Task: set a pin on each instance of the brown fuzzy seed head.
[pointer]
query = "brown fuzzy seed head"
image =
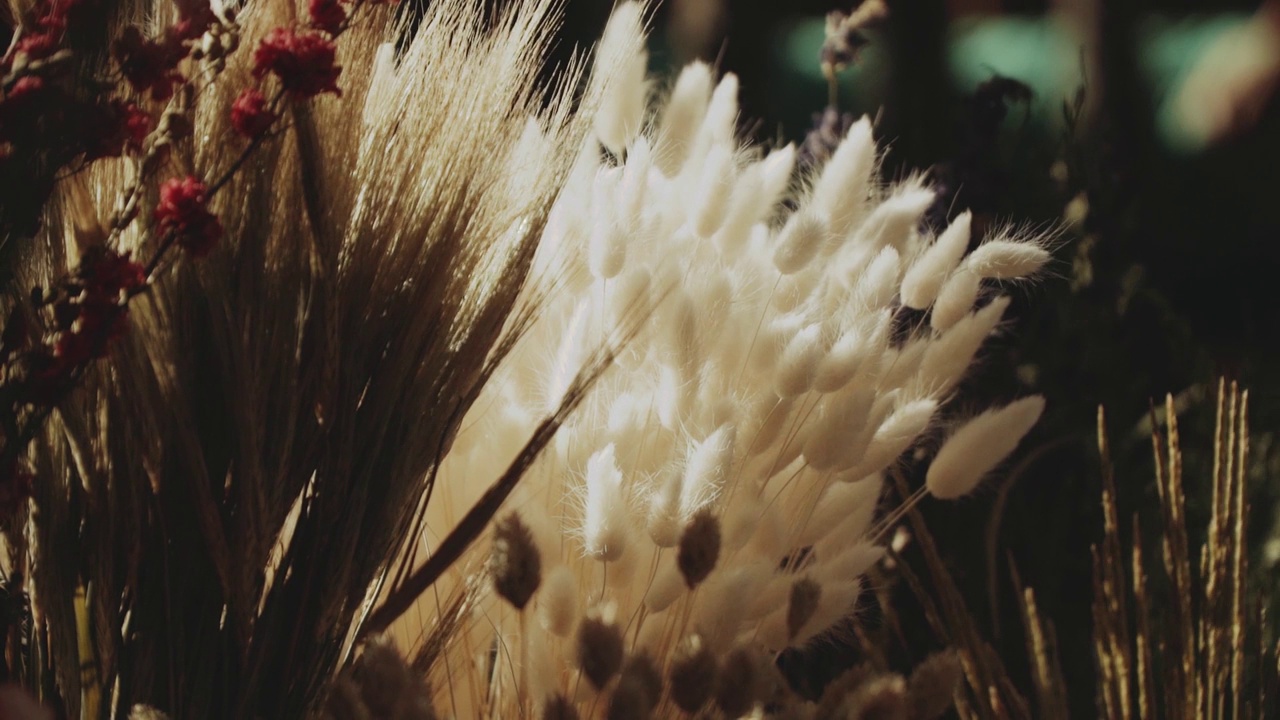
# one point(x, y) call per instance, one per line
point(343, 702)
point(638, 691)
point(931, 689)
point(692, 676)
point(881, 698)
point(383, 677)
point(558, 707)
point(699, 548)
point(805, 593)
point(599, 650)
point(736, 689)
point(515, 562)
point(837, 690)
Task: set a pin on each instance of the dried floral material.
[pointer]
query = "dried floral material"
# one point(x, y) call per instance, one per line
point(947, 359)
point(955, 299)
point(897, 433)
point(558, 601)
point(327, 15)
point(979, 445)
point(303, 62)
point(699, 548)
point(737, 685)
point(182, 212)
point(600, 650)
point(344, 702)
point(844, 37)
point(605, 525)
point(621, 59)
point(515, 563)
point(250, 115)
point(842, 187)
point(926, 276)
point(932, 685)
point(880, 698)
point(638, 690)
point(383, 678)
point(831, 704)
point(558, 707)
point(691, 676)
point(417, 285)
point(802, 603)
point(798, 243)
point(1007, 259)
point(682, 117)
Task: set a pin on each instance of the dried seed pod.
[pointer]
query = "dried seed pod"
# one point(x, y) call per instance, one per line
point(558, 707)
point(737, 684)
point(805, 593)
point(638, 691)
point(931, 689)
point(699, 548)
point(383, 677)
point(599, 650)
point(692, 675)
point(515, 562)
point(881, 698)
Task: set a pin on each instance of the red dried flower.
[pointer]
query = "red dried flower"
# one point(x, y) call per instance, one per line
point(249, 114)
point(303, 62)
point(182, 211)
point(327, 15)
point(147, 64)
point(111, 128)
point(107, 273)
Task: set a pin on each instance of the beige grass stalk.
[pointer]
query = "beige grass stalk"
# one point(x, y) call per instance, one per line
point(320, 361)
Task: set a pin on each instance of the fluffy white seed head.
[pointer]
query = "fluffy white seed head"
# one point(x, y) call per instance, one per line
point(1007, 259)
point(799, 362)
point(851, 563)
point(979, 445)
point(848, 507)
point(879, 283)
point(897, 433)
point(842, 188)
point(557, 601)
point(604, 524)
point(682, 117)
point(835, 604)
point(956, 298)
point(664, 522)
point(926, 276)
point(894, 221)
point(714, 191)
point(706, 467)
point(841, 423)
point(621, 58)
point(947, 358)
point(775, 174)
point(799, 241)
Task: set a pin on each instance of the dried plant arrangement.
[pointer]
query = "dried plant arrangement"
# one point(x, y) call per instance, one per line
point(439, 390)
point(1190, 641)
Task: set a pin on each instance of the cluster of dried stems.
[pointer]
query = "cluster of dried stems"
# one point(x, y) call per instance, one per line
point(1188, 644)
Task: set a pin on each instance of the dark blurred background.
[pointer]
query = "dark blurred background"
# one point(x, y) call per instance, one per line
point(1147, 135)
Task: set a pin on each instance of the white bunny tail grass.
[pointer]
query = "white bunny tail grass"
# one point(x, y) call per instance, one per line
point(979, 445)
point(746, 425)
point(226, 496)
